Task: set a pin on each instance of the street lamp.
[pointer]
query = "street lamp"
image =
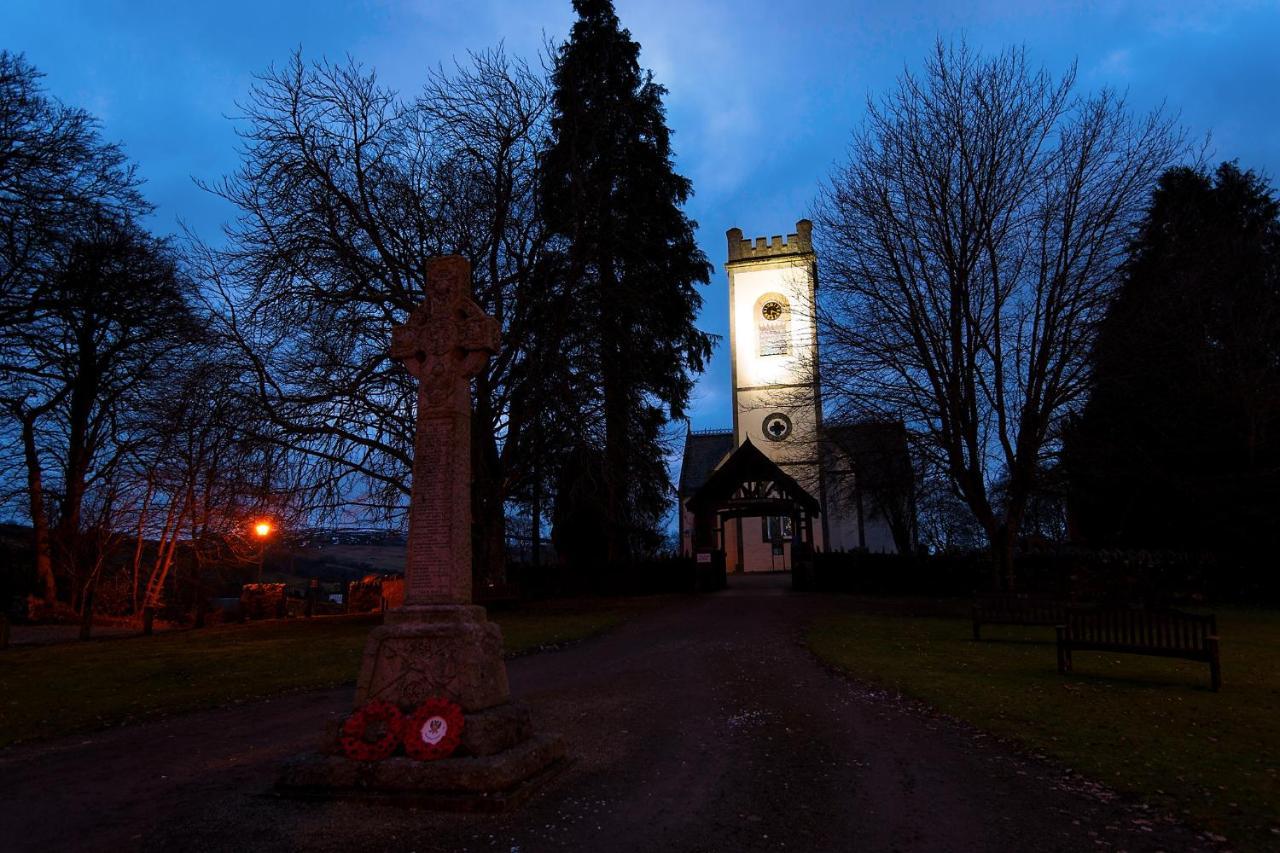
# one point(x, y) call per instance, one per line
point(262, 529)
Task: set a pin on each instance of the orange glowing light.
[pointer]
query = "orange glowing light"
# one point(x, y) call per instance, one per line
point(263, 529)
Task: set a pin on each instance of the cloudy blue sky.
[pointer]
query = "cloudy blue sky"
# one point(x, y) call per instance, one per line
point(763, 95)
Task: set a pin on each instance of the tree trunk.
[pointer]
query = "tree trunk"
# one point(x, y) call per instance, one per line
point(488, 506)
point(616, 469)
point(84, 391)
point(138, 540)
point(86, 613)
point(1003, 573)
point(535, 509)
point(39, 519)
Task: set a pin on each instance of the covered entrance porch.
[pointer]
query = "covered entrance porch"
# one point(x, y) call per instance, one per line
point(749, 485)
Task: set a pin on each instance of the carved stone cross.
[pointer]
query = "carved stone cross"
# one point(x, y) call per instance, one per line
point(448, 337)
point(439, 645)
point(445, 342)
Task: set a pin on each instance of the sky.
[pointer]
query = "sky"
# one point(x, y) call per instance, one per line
point(762, 96)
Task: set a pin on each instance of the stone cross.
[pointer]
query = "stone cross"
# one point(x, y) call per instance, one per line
point(445, 342)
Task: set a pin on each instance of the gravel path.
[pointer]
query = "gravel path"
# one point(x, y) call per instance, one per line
point(702, 726)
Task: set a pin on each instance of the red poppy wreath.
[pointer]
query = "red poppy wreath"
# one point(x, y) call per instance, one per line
point(433, 730)
point(372, 732)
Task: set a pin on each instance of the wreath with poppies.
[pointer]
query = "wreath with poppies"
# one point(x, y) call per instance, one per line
point(372, 732)
point(433, 730)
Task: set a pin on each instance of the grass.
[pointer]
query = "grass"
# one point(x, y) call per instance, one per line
point(1145, 726)
point(46, 691)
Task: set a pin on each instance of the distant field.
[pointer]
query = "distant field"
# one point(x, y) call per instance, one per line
point(1143, 725)
point(337, 563)
point(379, 558)
point(72, 687)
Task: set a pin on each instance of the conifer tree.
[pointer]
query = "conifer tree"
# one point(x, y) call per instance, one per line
point(612, 197)
point(1177, 447)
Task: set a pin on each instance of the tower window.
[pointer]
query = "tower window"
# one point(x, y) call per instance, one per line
point(773, 325)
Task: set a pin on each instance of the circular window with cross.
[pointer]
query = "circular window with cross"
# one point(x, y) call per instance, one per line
point(777, 426)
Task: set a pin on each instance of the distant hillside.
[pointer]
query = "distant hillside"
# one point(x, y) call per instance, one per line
point(347, 562)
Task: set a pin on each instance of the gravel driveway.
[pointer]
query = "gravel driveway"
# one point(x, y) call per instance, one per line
point(705, 725)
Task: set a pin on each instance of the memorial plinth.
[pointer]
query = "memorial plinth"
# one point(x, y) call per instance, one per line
point(440, 645)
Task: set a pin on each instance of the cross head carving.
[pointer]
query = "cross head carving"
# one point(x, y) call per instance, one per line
point(447, 338)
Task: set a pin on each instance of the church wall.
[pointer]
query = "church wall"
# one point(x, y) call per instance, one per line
point(879, 535)
point(842, 521)
point(842, 514)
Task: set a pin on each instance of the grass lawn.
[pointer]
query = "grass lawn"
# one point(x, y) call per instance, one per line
point(47, 691)
point(1147, 726)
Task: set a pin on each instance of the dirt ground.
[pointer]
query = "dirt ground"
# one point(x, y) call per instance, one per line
point(703, 726)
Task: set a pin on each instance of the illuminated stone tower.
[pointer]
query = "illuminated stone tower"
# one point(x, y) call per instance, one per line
point(774, 344)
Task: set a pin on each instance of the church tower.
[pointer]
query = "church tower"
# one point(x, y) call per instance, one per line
point(774, 344)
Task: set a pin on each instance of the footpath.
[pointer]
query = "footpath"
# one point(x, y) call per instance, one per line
point(703, 726)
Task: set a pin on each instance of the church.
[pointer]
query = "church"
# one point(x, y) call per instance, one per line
point(781, 483)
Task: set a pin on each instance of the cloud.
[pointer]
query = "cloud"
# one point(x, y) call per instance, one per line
point(1116, 64)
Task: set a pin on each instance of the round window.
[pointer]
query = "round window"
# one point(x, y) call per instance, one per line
point(777, 426)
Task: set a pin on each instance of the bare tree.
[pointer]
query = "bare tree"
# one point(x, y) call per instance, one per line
point(346, 191)
point(112, 307)
point(970, 245)
point(205, 471)
point(58, 181)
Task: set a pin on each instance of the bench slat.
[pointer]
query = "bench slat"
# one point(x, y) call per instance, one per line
point(1162, 634)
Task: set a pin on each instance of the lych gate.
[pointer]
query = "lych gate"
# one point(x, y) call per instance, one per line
point(748, 484)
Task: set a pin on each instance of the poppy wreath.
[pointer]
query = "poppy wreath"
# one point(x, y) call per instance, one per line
point(372, 732)
point(433, 730)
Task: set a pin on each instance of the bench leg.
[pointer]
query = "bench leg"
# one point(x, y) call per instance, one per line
point(1064, 652)
point(1215, 665)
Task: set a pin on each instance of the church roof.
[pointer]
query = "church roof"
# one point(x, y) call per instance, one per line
point(703, 451)
point(749, 464)
point(876, 449)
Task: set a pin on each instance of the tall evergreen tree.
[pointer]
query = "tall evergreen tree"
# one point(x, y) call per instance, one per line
point(1179, 445)
point(611, 194)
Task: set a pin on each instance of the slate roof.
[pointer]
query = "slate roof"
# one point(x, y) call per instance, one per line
point(876, 449)
point(748, 463)
point(703, 451)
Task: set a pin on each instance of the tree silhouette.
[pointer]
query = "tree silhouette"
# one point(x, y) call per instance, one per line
point(87, 301)
point(1179, 446)
point(346, 190)
point(611, 195)
point(970, 245)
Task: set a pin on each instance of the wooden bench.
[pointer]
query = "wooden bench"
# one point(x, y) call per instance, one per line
point(1016, 610)
point(1163, 633)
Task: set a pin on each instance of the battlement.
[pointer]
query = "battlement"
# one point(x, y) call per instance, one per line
point(799, 243)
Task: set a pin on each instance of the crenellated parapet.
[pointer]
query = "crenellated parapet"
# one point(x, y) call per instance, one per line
point(799, 243)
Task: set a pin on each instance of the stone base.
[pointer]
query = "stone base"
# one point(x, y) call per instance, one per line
point(423, 652)
point(479, 783)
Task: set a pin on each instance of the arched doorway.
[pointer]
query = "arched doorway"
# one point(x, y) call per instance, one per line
point(748, 484)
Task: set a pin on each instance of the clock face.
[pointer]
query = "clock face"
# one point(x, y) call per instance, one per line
point(771, 310)
point(777, 426)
